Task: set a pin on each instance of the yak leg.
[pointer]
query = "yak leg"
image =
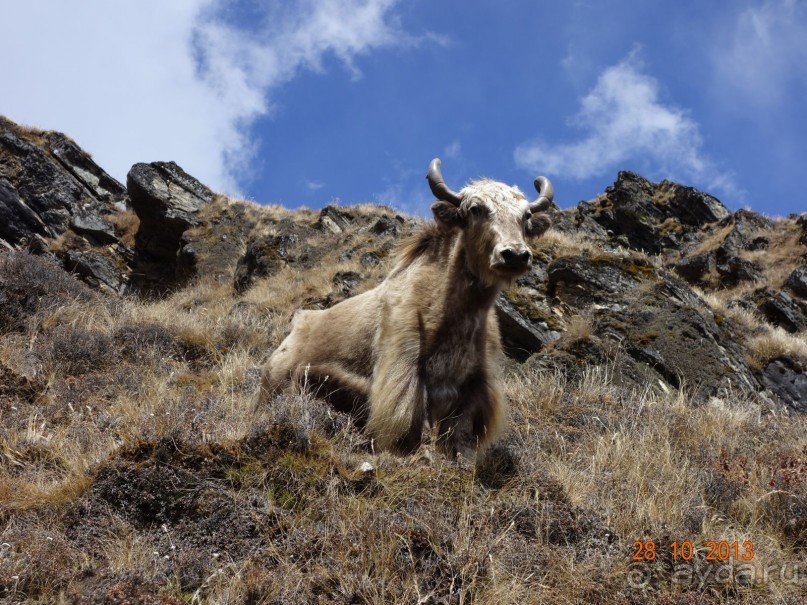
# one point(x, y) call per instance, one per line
point(345, 390)
point(476, 418)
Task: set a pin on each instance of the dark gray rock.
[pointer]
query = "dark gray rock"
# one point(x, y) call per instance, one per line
point(801, 221)
point(346, 282)
point(521, 337)
point(386, 225)
point(637, 213)
point(696, 269)
point(84, 169)
point(44, 187)
point(785, 377)
point(94, 227)
point(264, 256)
point(95, 269)
point(49, 188)
point(167, 201)
point(629, 210)
point(334, 219)
point(17, 220)
point(797, 282)
point(780, 309)
point(745, 224)
point(734, 269)
point(662, 325)
point(692, 207)
point(579, 281)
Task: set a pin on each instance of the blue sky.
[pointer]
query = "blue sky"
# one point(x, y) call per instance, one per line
point(306, 102)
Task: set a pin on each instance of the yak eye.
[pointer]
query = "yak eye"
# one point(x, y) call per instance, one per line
point(477, 210)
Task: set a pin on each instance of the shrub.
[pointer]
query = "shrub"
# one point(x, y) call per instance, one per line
point(30, 284)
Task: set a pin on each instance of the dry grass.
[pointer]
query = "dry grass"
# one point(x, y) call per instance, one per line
point(126, 224)
point(557, 244)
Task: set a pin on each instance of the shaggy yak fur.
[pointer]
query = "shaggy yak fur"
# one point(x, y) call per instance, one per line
point(422, 349)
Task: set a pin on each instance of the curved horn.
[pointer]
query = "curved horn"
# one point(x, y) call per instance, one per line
point(545, 194)
point(438, 186)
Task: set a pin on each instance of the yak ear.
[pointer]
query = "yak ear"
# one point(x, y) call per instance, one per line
point(538, 224)
point(447, 215)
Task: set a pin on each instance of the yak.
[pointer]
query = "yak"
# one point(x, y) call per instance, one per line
point(422, 349)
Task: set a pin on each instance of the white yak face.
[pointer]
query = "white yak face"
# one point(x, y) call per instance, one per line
point(496, 221)
point(496, 218)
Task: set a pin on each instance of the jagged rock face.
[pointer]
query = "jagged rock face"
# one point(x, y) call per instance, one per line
point(780, 309)
point(520, 336)
point(265, 256)
point(167, 200)
point(40, 192)
point(656, 319)
point(49, 188)
point(651, 217)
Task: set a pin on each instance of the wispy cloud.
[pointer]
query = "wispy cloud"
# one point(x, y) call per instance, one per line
point(624, 121)
point(453, 150)
point(314, 185)
point(147, 80)
point(764, 55)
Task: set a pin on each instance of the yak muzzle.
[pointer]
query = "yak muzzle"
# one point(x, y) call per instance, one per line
point(513, 259)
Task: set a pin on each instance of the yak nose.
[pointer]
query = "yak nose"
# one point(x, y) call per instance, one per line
point(516, 257)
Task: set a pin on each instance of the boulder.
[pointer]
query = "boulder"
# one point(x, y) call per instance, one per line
point(797, 282)
point(696, 269)
point(95, 228)
point(521, 337)
point(745, 225)
point(167, 200)
point(334, 219)
point(786, 378)
point(386, 225)
point(734, 269)
point(780, 309)
point(96, 269)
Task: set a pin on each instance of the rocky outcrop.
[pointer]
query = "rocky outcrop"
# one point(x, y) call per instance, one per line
point(521, 337)
point(657, 320)
point(39, 190)
point(50, 189)
point(167, 201)
point(780, 309)
point(334, 219)
point(651, 216)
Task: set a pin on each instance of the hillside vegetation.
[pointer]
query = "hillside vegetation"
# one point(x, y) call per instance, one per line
point(655, 376)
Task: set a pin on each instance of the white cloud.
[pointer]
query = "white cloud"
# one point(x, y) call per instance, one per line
point(623, 120)
point(764, 54)
point(314, 185)
point(148, 80)
point(453, 150)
